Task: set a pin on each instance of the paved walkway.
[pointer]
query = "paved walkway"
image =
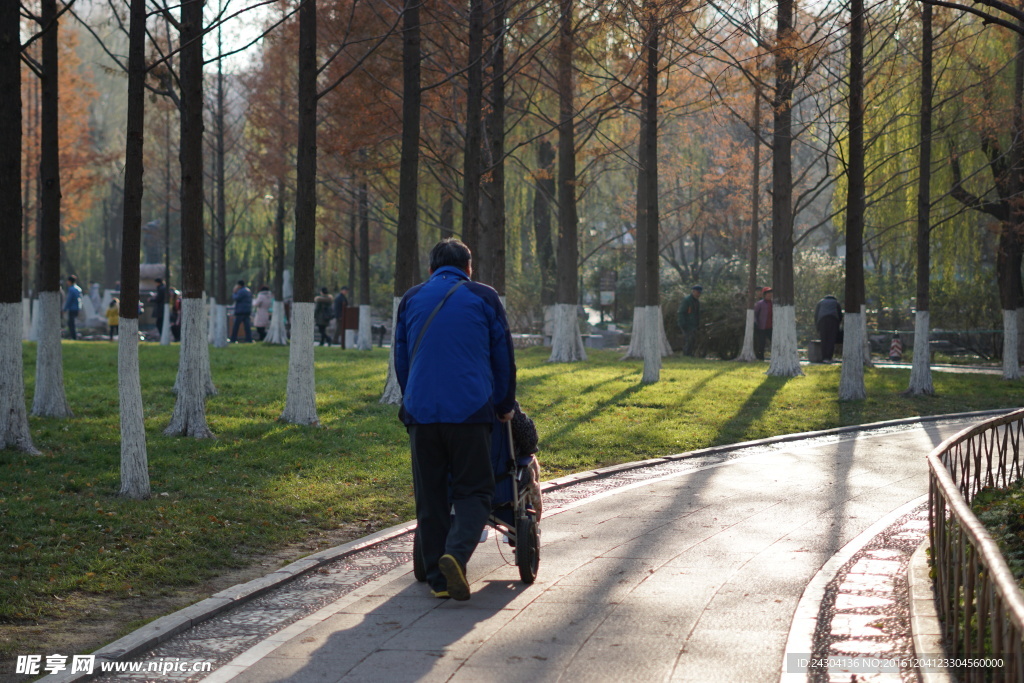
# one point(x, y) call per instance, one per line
point(685, 570)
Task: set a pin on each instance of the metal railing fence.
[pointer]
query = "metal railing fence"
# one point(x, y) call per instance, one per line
point(979, 601)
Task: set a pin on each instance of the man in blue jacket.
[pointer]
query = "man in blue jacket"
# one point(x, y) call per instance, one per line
point(243, 309)
point(456, 366)
point(73, 304)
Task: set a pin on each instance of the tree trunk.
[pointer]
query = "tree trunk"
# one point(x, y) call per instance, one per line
point(785, 361)
point(392, 390)
point(194, 378)
point(747, 353)
point(134, 458)
point(921, 371)
point(492, 229)
point(474, 125)
point(407, 261)
point(851, 382)
point(49, 399)
point(652, 254)
point(566, 343)
point(220, 206)
point(637, 340)
point(300, 405)
point(544, 193)
point(364, 339)
point(279, 216)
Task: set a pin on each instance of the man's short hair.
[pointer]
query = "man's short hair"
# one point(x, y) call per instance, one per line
point(159, 280)
point(450, 252)
point(241, 283)
point(72, 279)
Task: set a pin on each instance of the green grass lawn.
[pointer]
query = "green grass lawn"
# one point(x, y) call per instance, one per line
point(262, 484)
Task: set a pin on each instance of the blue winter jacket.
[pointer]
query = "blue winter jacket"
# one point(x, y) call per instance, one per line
point(243, 301)
point(73, 302)
point(465, 369)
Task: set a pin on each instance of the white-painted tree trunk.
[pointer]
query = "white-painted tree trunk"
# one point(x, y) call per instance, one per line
point(34, 335)
point(13, 416)
point(277, 333)
point(204, 315)
point(220, 326)
point(364, 342)
point(300, 403)
point(747, 353)
point(1011, 361)
point(921, 370)
point(287, 290)
point(666, 347)
point(49, 399)
point(134, 459)
point(865, 342)
point(26, 322)
point(566, 342)
point(785, 355)
point(637, 340)
point(851, 378)
point(392, 391)
point(194, 380)
point(548, 327)
point(210, 325)
point(165, 331)
point(653, 347)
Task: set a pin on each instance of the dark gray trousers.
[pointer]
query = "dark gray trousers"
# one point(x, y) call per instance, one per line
point(451, 470)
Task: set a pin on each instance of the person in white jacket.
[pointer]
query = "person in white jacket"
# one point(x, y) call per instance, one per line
point(261, 317)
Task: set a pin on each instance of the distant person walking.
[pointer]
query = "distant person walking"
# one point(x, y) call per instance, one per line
point(689, 319)
point(763, 322)
point(175, 296)
point(827, 316)
point(455, 363)
point(243, 310)
point(261, 319)
point(113, 318)
point(323, 312)
point(73, 304)
point(158, 300)
point(340, 306)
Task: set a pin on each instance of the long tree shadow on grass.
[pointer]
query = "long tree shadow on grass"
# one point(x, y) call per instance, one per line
point(737, 428)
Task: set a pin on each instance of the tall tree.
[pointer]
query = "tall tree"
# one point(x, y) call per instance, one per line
point(921, 372)
point(194, 381)
point(14, 429)
point(785, 361)
point(543, 195)
point(647, 204)
point(407, 239)
point(49, 399)
point(851, 382)
point(300, 406)
point(1005, 167)
point(566, 342)
point(134, 459)
point(471, 167)
point(492, 192)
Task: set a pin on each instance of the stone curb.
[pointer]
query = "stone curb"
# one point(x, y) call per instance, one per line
point(166, 627)
point(924, 620)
